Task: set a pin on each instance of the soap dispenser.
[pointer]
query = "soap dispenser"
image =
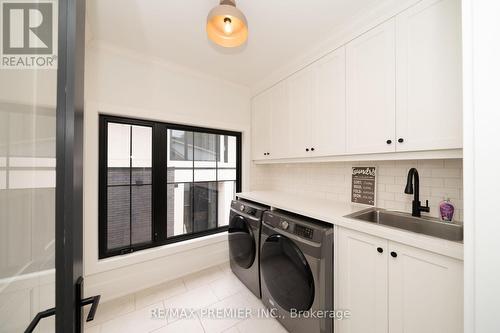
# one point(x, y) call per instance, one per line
point(446, 210)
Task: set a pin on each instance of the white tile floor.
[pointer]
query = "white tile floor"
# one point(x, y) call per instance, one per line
point(211, 289)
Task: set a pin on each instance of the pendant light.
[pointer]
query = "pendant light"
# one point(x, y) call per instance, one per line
point(226, 25)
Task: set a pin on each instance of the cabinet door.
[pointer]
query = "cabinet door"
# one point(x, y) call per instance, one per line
point(425, 292)
point(429, 80)
point(362, 282)
point(301, 105)
point(371, 91)
point(328, 118)
point(280, 129)
point(261, 126)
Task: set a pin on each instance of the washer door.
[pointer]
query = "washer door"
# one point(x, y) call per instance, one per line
point(242, 247)
point(286, 273)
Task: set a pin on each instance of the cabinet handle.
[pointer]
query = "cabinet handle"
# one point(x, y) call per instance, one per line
point(394, 254)
point(312, 149)
point(401, 140)
point(380, 250)
point(389, 142)
point(307, 149)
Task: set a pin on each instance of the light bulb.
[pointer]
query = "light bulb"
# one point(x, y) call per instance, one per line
point(228, 28)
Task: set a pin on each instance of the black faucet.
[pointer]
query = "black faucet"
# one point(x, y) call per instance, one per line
point(416, 206)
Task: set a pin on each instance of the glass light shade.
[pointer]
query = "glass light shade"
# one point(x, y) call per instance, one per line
point(217, 21)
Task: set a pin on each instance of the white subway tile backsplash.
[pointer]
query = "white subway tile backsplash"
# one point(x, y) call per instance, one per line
point(439, 179)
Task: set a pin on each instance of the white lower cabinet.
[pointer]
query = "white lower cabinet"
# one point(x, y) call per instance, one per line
point(425, 291)
point(362, 279)
point(395, 288)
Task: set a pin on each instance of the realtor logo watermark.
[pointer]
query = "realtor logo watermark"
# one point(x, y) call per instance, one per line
point(29, 34)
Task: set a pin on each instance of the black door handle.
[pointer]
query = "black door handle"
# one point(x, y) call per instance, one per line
point(394, 254)
point(380, 250)
point(94, 300)
point(51, 312)
point(39, 316)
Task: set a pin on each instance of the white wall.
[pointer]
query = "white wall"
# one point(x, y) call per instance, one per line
point(438, 179)
point(131, 85)
point(481, 164)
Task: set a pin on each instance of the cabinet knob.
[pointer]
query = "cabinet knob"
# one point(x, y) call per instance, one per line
point(401, 140)
point(389, 142)
point(312, 149)
point(380, 250)
point(394, 254)
point(307, 149)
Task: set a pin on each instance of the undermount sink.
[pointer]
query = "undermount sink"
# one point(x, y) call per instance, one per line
point(421, 225)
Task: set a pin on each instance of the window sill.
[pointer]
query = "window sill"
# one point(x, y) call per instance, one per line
point(116, 262)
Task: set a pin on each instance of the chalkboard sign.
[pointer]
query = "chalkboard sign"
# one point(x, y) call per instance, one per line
point(363, 185)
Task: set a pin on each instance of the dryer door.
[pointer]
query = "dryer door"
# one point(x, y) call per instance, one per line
point(242, 248)
point(286, 273)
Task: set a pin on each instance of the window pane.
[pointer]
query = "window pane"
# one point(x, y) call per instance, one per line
point(227, 148)
point(118, 145)
point(180, 146)
point(205, 150)
point(119, 176)
point(141, 154)
point(141, 214)
point(204, 206)
point(118, 216)
point(141, 176)
point(178, 209)
point(118, 154)
point(226, 174)
point(179, 175)
point(227, 191)
point(141, 146)
point(180, 156)
point(129, 149)
point(205, 175)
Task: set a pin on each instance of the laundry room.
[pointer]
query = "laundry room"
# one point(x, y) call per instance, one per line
point(232, 166)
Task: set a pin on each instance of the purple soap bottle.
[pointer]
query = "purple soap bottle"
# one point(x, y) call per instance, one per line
point(446, 210)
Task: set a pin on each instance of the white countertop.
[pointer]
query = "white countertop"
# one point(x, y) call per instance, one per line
point(333, 212)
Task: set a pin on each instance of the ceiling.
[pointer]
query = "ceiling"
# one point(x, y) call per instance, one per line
point(174, 30)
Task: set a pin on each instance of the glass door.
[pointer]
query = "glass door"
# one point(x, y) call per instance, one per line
point(41, 109)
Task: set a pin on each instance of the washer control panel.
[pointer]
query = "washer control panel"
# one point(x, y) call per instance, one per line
point(303, 231)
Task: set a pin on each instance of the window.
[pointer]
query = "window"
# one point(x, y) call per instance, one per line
point(161, 183)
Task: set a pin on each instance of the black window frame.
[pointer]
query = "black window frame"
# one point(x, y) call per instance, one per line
point(159, 176)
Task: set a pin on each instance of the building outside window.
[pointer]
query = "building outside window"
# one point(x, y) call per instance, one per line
point(162, 183)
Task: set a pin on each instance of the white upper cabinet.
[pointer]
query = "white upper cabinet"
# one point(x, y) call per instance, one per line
point(328, 119)
point(280, 145)
point(395, 88)
point(301, 104)
point(429, 81)
point(261, 126)
point(426, 291)
point(371, 91)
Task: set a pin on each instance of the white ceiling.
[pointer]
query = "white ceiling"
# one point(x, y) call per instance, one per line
point(174, 30)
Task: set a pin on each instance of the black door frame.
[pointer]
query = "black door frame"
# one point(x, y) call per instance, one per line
point(69, 167)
